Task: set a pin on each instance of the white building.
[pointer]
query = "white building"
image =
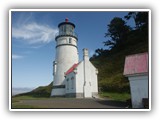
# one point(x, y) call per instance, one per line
point(136, 69)
point(71, 77)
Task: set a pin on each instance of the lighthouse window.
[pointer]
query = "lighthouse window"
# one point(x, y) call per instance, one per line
point(70, 30)
point(70, 40)
point(64, 29)
point(67, 29)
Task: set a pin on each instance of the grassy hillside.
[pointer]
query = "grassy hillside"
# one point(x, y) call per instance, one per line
point(42, 91)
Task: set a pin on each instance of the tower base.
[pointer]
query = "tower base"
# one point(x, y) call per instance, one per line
point(58, 92)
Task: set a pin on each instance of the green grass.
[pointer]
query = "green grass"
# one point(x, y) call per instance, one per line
point(24, 97)
point(27, 97)
point(16, 101)
point(14, 106)
point(116, 96)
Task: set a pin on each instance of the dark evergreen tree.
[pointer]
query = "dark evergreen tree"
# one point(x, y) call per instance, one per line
point(117, 32)
point(140, 18)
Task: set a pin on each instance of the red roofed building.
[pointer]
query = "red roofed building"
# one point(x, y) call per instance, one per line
point(136, 64)
point(81, 79)
point(136, 69)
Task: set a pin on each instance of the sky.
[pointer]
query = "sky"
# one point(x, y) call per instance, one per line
point(33, 41)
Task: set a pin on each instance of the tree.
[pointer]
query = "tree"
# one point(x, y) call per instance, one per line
point(117, 30)
point(140, 18)
point(140, 33)
point(101, 51)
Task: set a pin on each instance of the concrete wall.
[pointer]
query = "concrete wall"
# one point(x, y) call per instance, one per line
point(139, 89)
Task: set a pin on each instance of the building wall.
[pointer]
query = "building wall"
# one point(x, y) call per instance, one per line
point(139, 89)
point(58, 92)
point(80, 80)
point(92, 79)
point(87, 78)
point(76, 87)
point(70, 83)
point(94, 82)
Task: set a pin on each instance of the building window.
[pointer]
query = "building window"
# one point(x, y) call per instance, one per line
point(67, 84)
point(72, 82)
point(70, 40)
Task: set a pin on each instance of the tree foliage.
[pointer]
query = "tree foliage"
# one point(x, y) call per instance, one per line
point(117, 31)
point(140, 18)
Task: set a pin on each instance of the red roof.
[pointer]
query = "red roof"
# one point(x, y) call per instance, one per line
point(136, 64)
point(71, 69)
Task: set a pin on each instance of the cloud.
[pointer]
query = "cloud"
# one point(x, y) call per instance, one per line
point(14, 56)
point(33, 33)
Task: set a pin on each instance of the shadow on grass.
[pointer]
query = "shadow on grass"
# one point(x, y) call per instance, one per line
point(114, 103)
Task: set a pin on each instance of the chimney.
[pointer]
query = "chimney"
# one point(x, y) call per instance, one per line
point(87, 75)
point(85, 54)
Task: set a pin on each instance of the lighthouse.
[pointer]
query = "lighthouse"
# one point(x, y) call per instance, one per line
point(66, 56)
point(71, 77)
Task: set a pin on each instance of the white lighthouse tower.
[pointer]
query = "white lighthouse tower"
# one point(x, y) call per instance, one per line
point(66, 56)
